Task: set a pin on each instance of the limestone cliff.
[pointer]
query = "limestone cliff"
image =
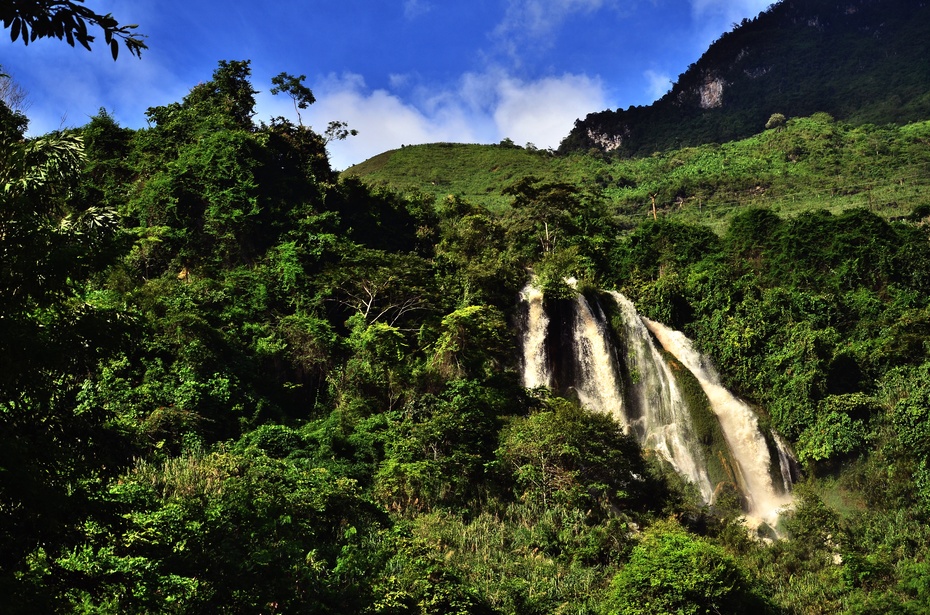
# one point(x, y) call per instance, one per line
point(862, 61)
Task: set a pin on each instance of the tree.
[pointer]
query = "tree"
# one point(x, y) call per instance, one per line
point(301, 95)
point(12, 95)
point(66, 20)
point(568, 455)
point(338, 131)
point(51, 337)
point(229, 90)
point(541, 215)
point(13, 122)
point(472, 342)
point(435, 448)
point(672, 571)
point(776, 121)
point(223, 532)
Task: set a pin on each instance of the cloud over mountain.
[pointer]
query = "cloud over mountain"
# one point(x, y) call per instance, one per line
point(478, 108)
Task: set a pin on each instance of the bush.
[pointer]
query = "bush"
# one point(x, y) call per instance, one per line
point(574, 457)
point(672, 571)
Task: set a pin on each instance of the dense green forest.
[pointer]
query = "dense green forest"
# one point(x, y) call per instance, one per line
point(234, 382)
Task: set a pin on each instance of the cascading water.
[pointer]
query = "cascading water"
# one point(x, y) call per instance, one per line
point(787, 464)
point(573, 353)
point(740, 427)
point(664, 422)
point(598, 385)
point(536, 372)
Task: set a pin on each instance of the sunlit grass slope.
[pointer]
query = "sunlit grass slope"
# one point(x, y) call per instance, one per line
point(809, 163)
point(475, 172)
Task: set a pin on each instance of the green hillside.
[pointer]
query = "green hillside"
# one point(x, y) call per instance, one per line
point(808, 163)
point(474, 172)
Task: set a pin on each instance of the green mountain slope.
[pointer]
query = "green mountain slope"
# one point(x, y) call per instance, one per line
point(864, 61)
point(813, 162)
point(475, 172)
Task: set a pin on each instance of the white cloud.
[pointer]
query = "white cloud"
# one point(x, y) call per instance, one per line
point(416, 8)
point(535, 23)
point(398, 81)
point(480, 108)
point(538, 18)
point(543, 112)
point(658, 84)
point(383, 120)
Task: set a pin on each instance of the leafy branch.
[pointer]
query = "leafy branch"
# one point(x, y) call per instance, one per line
point(46, 164)
point(68, 20)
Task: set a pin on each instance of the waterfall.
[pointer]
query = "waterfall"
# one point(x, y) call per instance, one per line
point(664, 422)
point(787, 464)
point(536, 372)
point(569, 346)
point(598, 385)
point(589, 367)
point(740, 428)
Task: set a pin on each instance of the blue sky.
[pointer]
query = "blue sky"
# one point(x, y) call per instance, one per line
point(398, 71)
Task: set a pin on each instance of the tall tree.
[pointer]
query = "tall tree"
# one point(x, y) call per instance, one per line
point(301, 95)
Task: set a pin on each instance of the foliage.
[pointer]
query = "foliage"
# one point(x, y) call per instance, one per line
point(233, 381)
point(52, 333)
point(776, 121)
point(435, 448)
point(293, 86)
point(671, 571)
point(569, 456)
point(816, 162)
point(66, 20)
point(471, 343)
point(907, 389)
point(840, 428)
point(222, 532)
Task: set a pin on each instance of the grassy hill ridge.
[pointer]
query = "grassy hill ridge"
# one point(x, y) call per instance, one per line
point(810, 162)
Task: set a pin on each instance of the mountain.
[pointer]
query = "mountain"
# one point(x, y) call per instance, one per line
point(862, 61)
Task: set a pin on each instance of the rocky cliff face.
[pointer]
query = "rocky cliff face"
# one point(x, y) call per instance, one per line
point(858, 60)
point(608, 142)
point(711, 93)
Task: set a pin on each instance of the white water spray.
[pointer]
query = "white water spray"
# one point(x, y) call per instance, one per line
point(740, 428)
